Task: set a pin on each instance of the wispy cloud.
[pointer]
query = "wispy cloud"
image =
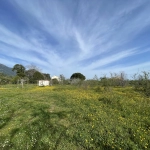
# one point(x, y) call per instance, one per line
point(69, 36)
point(110, 59)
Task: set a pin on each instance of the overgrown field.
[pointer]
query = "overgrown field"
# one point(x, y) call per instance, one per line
point(73, 118)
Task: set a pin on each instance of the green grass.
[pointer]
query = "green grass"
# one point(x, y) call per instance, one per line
point(68, 117)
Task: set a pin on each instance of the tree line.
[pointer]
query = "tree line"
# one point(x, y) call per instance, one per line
point(31, 74)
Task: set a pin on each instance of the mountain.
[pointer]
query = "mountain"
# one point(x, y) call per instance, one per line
point(6, 70)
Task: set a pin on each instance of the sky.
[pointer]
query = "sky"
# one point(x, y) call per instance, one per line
point(93, 37)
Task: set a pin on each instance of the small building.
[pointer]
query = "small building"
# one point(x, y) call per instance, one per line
point(44, 83)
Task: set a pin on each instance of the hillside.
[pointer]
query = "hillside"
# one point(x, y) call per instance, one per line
point(6, 70)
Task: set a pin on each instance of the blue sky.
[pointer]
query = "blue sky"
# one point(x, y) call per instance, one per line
point(93, 37)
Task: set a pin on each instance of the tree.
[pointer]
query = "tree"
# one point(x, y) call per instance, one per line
point(20, 70)
point(33, 67)
point(29, 74)
point(37, 76)
point(77, 76)
point(95, 78)
point(46, 76)
point(62, 78)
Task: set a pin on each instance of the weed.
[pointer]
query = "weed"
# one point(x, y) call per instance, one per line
point(70, 117)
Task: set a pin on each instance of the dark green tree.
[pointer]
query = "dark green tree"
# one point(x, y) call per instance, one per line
point(29, 74)
point(20, 70)
point(77, 76)
point(37, 76)
point(31, 69)
point(46, 76)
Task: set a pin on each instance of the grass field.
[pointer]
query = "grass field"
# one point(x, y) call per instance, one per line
point(73, 118)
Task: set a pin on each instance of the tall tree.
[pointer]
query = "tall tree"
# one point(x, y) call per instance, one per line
point(46, 76)
point(37, 76)
point(20, 70)
point(31, 69)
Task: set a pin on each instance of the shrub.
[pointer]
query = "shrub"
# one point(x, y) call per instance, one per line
point(55, 81)
point(142, 82)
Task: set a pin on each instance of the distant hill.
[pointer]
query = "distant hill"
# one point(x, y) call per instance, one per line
point(6, 70)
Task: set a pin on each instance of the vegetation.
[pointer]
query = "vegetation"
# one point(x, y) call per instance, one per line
point(37, 76)
point(20, 70)
point(55, 81)
point(77, 76)
point(5, 79)
point(141, 82)
point(46, 76)
point(29, 74)
point(74, 117)
point(100, 113)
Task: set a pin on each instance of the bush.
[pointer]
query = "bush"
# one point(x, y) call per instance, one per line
point(15, 79)
point(142, 82)
point(55, 81)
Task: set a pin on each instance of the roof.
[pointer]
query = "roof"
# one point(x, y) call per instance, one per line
point(55, 77)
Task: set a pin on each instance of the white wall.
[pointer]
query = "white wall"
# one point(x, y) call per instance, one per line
point(43, 83)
